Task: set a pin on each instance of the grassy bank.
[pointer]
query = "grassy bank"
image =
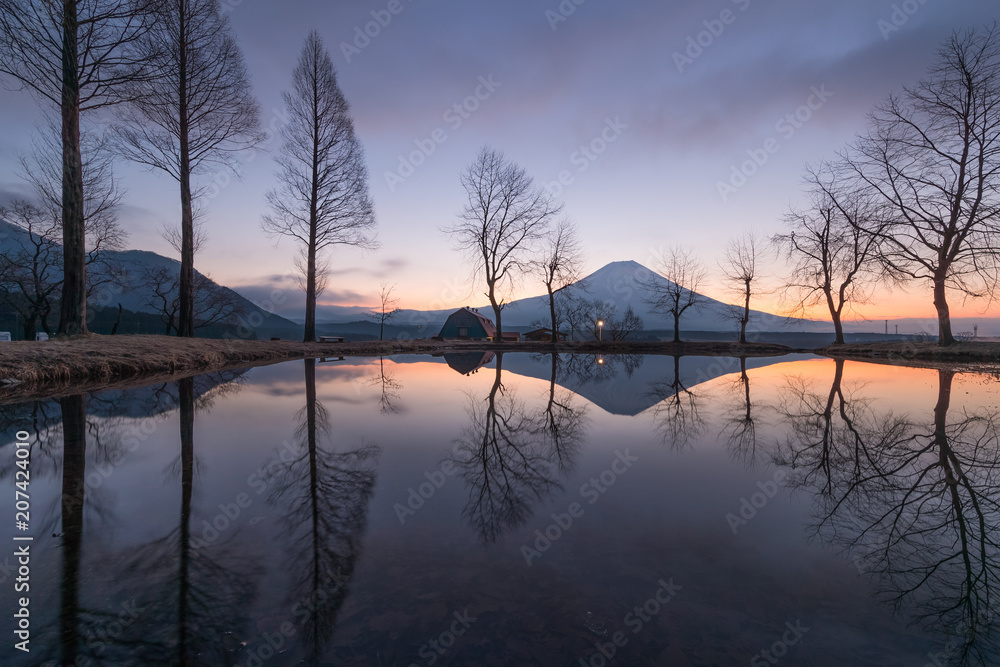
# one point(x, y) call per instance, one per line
point(913, 353)
point(31, 369)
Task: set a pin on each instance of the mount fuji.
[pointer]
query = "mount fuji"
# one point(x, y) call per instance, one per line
point(627, 284)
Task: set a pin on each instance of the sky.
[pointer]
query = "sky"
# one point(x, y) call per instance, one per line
point(632, 112)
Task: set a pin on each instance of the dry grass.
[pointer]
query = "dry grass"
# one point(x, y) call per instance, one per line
point(31, 369)
point(978, 355)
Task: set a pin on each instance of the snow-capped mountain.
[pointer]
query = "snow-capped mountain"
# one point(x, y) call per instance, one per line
point(627, 284)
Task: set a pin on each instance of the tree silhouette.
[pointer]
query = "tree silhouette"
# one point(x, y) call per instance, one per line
point(325, 495)
point(912, 503)
point(505, 462)
point(678, 413)
point(323, 200)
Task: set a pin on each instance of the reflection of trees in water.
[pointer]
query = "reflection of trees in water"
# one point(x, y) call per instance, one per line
point(599, 368)
point(94, 627)
point(562, 423)
point(389, 386)
point(914, 503)
point(739, 424)
point(678, 412)
point(193, 591)
point(325, 495)
point(511, 457)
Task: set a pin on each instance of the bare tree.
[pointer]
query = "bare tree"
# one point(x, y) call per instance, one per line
point(505, 215)
point(620, 328)
point(833, 260)
point(103, 233)
point(571, 307)
point(679, 293)
point(213, 303)
point(199, 113)
point(598, 315)
point(30, 265)
point(932, 156)
point(323, 199)
point(559, 266)
point(739, 270)
point(78, 55)
point(387, 309)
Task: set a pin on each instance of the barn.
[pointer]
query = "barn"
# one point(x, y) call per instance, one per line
point(468, 323)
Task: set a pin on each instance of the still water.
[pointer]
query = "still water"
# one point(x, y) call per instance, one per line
point(514, 510)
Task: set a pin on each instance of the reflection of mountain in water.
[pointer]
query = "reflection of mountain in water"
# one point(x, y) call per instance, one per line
point(623, 388)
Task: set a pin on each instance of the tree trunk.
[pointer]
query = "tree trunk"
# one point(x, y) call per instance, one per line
point(381, 324)
point(677, 327)
point(118, 320)
point(29, 327)
point(838, 330)
point(74, 419)
point(185, 327)
point(496, 313)
point(309, 335)
point(552, 311)
point(838, 326)
point(73, 307)
point(185, 394)
point(746, 315)
point(945, 336)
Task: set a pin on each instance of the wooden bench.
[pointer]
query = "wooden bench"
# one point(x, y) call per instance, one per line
point(331, 339)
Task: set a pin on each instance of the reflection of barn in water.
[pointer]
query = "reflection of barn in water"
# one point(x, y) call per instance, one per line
point(467, 363)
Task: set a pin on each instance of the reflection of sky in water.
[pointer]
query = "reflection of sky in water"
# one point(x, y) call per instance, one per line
point(664, 517)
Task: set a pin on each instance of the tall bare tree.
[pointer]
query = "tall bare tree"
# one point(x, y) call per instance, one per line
point(559, 265)
point(505, 215)
point(932, 156)
point(323, 199)
point(197, 114)
point(79, 55)
point(386, 310)
point(679, 293)
point(833, 258)
point(739, 269)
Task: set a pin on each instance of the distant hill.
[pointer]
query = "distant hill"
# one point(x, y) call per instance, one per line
point(135, 296)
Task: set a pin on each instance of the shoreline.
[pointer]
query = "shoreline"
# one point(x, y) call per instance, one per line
point(30, 369)
point(56, 367)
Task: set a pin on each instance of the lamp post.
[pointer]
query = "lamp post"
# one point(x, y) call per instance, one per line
point(600, 330)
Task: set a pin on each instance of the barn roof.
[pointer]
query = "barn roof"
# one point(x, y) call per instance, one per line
point(488, 326)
